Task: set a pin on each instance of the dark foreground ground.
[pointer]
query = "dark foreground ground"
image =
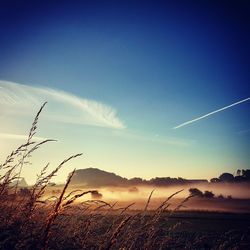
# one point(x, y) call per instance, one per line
point(208, 230)
point(76, 229)
point(181, 230)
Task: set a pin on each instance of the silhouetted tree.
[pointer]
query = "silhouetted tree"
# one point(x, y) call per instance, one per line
point(196, 192)
point(239, 178)
point(226, 177)
point(238, 173)
point(220, 196)
point(137, 181)
point(208, 194)
point(246, 174)
point(215, 180)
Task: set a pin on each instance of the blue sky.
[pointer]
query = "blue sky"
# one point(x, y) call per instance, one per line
point(155, 64)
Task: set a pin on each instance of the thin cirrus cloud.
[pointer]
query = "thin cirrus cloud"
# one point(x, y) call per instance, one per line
point(19, 137)
point(63, 106)
point(211, 113)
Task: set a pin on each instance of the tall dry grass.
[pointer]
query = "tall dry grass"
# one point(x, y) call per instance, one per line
point(32, 221)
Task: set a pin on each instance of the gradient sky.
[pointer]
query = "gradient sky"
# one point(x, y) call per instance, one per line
point(119, 76)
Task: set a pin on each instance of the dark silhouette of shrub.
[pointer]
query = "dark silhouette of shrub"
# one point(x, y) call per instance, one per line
point(208, 194)
point(226, 177)
point(196, 192)
point(199, 193)
point(215, 180)
point(238, 173)
point(246, 174)
point(239, 178)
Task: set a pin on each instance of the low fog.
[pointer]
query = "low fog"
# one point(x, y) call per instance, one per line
point(228, 197)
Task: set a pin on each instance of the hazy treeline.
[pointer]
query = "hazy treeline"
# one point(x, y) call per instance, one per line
point(98, 178)
point(241, 176)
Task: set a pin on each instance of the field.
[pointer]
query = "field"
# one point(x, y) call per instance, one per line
point(90, 226)
point(72, 219)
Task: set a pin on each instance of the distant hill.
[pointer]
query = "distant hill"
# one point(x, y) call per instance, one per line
point(94, 177)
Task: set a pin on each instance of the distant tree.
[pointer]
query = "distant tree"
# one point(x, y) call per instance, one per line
point(239, 178)
point(136, 181)
point(220, 196)
point(196, 192)
point(226, 177)
point(215, 180)
point(238, 173)
point(246, 173)
point(229, 197)
point(208, 194)
point(160, 181)
point(165, 181)
point(181, 180)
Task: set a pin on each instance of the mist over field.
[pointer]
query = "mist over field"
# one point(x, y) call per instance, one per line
point(230, 197)
point(237, 191)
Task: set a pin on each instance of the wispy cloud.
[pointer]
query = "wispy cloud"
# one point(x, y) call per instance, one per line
point(63, 106)
point(211, 113)
point(19, 137)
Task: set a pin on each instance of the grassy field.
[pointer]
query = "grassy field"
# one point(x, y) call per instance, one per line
point(93, 227)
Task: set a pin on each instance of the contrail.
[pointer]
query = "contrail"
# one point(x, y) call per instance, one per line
point(211, 113)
